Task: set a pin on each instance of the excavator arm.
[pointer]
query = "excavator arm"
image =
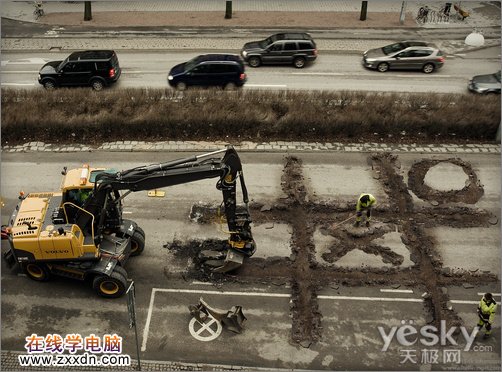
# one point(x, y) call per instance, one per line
point(105, 201)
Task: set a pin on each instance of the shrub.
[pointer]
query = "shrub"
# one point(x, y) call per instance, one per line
point(80, 115)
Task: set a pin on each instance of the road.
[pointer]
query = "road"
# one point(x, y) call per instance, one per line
point(356, 292)
point(329, 72)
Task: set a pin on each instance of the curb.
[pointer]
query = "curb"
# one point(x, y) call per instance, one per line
point(273, 146)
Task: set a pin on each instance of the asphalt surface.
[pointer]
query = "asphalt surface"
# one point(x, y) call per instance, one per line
point(351, 314)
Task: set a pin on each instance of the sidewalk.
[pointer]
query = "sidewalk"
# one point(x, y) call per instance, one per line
point(286, 13)
point(273, 146)
point(173, 25)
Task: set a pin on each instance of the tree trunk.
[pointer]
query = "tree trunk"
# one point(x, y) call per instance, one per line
point(87, 11)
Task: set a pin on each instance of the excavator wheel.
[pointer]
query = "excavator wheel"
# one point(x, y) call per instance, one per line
point(37, 271)
point(112, 286)
point(120, 270)
point(140, 231)
point(137, 243)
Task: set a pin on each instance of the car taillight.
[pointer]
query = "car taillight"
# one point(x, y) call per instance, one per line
point(315, 52)
point(242, 76)
point(112, 72)
point(441, 59)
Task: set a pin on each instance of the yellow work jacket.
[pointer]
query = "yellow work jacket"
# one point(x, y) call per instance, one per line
point(488, 309)
point(370, 203)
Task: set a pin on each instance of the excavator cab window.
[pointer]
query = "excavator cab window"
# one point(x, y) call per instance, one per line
point(77, 196)
point(94, 173)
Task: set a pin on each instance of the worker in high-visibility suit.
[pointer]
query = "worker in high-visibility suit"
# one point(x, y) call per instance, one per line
point(364, 203)
point(486, 312)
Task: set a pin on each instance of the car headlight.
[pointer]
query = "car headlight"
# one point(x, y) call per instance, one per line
point(170, 77)
point(244, 53)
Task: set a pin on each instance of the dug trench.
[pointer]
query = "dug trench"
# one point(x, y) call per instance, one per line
point(305, 215)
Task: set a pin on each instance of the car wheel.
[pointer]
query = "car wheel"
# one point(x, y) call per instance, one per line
point(97, 85)
point(428, 68)
point(49, 84)
point(254, 62)
point(37, 271)
point(112, 286)
point(181, 86)
point(137, 243)
point(299, 62)
point(382, 67)
point(230, 86)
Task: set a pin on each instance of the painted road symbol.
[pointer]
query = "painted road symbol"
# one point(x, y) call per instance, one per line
point(209, 330)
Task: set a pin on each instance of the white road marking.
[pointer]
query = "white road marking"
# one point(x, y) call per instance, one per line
point(321, 73)
point(464, 302)
point(201, 291)
point(126, 212)
point(25, 61)
point(265, 85)
point(18, 84)
point(205, 327)
point(381, 299)
point(20, 72)
point(373, 75)
point(201, 283)
point(397, 290)
point(148, 320)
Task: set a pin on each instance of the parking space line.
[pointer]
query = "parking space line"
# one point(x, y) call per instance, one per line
point(195, 282)
point(464, 302)
point(148, 320)
point(203, 291)
point(196, 291)
point(280, 295)
point(396, 290)
point(382, 299)
point(17, 84)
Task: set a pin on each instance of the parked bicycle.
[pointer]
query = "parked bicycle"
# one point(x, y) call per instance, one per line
point(39, 11)
point(423, 13)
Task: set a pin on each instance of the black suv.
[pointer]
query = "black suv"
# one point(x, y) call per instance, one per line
point(224, 70)
point(284, 48)
point(95, 68)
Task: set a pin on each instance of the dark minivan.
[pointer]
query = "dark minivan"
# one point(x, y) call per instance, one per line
point(223, 70)
point(296, 48)
point(95, 68)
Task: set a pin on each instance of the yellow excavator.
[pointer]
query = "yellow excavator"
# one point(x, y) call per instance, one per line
point(79, 231)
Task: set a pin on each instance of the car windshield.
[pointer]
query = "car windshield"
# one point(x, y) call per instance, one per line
point(393, 48)
point(265, 43)
point(62, 64)
point(191, 64)
point(497, 76)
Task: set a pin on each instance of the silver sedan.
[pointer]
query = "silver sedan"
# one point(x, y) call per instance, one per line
point(407, 55)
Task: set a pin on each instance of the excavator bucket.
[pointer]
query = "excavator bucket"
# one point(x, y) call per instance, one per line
point(232, 319)
point(221, 263)
point(232, 261)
